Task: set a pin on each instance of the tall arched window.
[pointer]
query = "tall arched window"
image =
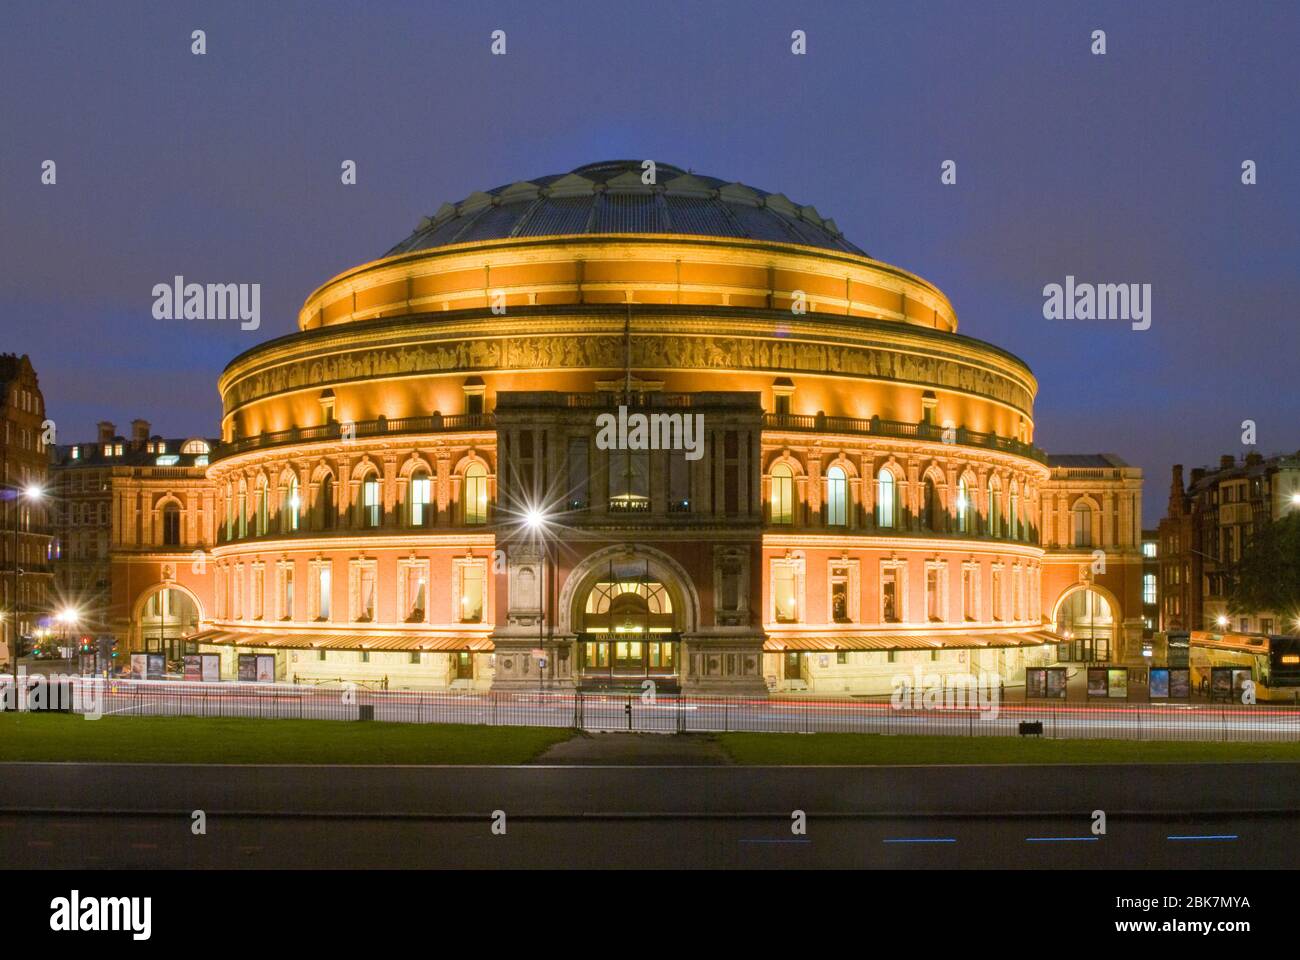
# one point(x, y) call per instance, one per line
point(263, 508)
point(327, 506)
point(995, 508)
point(782, 494)
point(963, 507)
point(931, 508)
point(171, 525)
point(230, 514)
point(289, 509)
point(1082, 525)
point(243, 509)
point(372, 506)
point(837, 497)
point(886, 499)
point(475, 496)
point(421, 489)
point(1014, 517)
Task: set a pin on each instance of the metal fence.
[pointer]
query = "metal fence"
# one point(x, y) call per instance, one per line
point(690, 714)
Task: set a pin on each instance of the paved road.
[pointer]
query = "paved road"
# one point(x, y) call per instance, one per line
point(572, 816)
point(262, 842)
point(1139, 721)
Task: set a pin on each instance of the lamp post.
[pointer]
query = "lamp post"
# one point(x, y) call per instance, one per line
point(34, 493)
point(536, 521)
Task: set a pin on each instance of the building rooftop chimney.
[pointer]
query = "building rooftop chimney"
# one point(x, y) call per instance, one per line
point(1227, 461)
point(107, 430)
point(139, 433)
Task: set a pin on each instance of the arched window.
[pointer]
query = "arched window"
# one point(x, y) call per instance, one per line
point(1082, 525)
point(230, 514)
point(372, 506)
point(171, 525)
point(886, 499)
point(421, 490)
point(327, 507)
point(243, 509)
point(1014, 515)
point(782, 494)
point(289, 509)
point(837, 497)
point(931, 508)
point(963, 507)
point(263, 508)
point(475, 495)
point(995, 508)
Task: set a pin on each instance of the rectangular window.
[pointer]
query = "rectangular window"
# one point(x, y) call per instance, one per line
point(366, 593)
point(784, 594)
point(968, 594)
point(679, 482)
point(471, 592)
point(579, 474)
point(370, 502)
point(286, 592)
point(323, 590)
point(840, 599)
point(416, 592)
point(996, 587)
point(933, 596)
point(891, 607)
point(259, 592)
point(1148, 588)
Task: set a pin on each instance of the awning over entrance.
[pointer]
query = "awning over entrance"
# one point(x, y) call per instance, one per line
point(413, 642)
point(904, 641)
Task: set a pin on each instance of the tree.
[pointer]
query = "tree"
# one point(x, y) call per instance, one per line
point(1268, 576)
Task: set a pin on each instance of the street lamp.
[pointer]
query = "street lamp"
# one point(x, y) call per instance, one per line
point(537, 521)
point(35, 493)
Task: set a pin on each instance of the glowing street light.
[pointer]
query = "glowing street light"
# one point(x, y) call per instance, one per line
point(1222, 621)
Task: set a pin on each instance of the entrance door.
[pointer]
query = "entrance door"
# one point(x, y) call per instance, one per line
point(463, 665)
point(793, 665)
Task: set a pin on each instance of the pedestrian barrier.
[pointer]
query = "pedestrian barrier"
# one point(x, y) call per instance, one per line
point(609, 711)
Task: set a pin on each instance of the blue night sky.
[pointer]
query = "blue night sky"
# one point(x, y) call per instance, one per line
point(1122, 168)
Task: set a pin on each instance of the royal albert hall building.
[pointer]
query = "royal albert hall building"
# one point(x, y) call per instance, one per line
point(410, 492)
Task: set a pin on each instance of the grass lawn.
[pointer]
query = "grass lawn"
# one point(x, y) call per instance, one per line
point(27, 736)
point(788, 749)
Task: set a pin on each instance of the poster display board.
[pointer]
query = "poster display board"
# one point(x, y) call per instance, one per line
point(1117, 683)
point(266, 668)
point(211, 667)
point(1045, 683)
point(1170, 683)
point(1228, 683)
point(248, 667)
point(193, 668)
point(1180, 683)
point(1098, 682)
point(157, 666)
point(139, 665)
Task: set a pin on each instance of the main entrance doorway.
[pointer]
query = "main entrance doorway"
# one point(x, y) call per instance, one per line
point(628, 636)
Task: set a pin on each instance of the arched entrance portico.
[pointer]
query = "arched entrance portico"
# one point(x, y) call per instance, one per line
point(1087, 619)
point(164, 616)
point(627, 611)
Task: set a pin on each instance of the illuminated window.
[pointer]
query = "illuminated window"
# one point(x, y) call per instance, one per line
point(475, 497)
point(785, 592)
point(421, 494)
point(289, 509)
point(1082, 525)
point(963, 507)
point(1149, 588)
point(371, 503)
point(995, 508)
point(322, 586)
point(886, 499)
point(415, 594)
point(171, 525)
point(837, 497)
point(782, 494)
point(363, 574)
point(470, 590)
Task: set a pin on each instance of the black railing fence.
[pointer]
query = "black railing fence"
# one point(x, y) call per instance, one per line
point(614, 711)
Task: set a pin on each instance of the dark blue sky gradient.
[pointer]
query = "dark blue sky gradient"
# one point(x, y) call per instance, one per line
point(1123, 168)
